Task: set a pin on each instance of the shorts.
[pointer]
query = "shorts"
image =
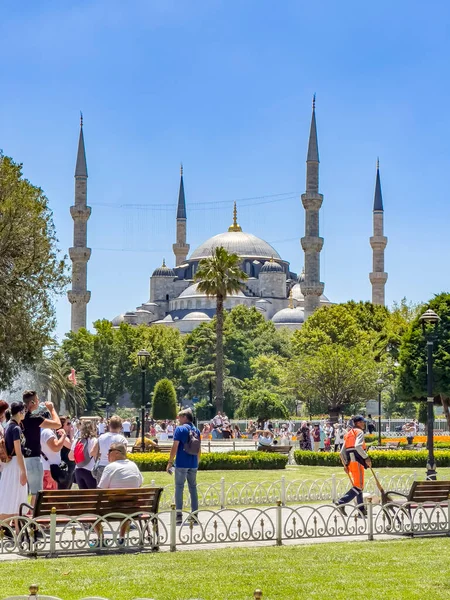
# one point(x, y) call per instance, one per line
point(35, 474)
point(49, 482)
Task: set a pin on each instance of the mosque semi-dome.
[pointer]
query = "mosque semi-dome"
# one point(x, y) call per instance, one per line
point(163, 271)
point(289, 316)
point(237, 242)
point(193, 292)
point(271, 267)
point(196, 316)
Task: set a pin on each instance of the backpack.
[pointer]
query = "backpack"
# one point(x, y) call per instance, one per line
point(193, 444)
point(81, 453)
point(4, 458)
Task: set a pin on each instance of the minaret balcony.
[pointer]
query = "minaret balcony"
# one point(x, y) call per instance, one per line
point(79, 254)
point(312, 243)
point(80, 213)
point(378, 242)
point(378, 277)
point(78, 296)
point(312, 289)
point(312, 200)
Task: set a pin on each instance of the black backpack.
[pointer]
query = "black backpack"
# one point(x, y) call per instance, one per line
point(193, 444)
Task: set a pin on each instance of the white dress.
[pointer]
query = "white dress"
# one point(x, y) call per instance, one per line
point(12, 494)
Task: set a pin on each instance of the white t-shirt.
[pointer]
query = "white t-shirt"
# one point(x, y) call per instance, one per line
point(126, 426)
point(104, 444)
point(121, 474)
point(163, 436)
point(90, 446)
point(169, 429)
point(101, 428)
point(54, 458)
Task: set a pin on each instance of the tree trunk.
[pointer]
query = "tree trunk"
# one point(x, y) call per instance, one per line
point(445, 406)
point(334, 413)
point(219, 354)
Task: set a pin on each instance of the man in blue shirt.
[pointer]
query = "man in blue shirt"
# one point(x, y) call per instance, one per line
point(186, 465)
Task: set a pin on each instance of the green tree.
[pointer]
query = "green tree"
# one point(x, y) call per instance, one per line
point(219, 276)
point(262, 405)
point(164, 400)
point(412, 384)
point(31, 273)
point(337, 377)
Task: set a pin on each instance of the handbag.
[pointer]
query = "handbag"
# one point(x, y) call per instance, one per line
point(59, 472)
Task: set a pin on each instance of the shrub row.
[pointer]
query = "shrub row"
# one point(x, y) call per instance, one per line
point(239, 460)
point(381, 458)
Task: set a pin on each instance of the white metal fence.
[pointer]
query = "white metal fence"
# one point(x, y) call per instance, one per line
point(222, 494)
point(273, 525)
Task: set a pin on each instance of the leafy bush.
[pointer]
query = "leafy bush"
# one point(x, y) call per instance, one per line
point(381, 458)
point(164, 400)
point(240, 460)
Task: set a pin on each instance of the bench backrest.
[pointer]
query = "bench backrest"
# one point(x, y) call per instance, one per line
point(97, 502)
point(429, 491)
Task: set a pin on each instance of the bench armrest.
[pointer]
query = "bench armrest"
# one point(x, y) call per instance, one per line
point(21, 506)
point(397, 494)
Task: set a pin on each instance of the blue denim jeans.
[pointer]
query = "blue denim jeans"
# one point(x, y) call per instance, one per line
point(181, 474)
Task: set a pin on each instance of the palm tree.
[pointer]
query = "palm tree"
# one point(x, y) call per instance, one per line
point(218, 276)
point(52, 374)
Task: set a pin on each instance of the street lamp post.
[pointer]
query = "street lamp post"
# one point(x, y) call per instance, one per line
point(143, 358)
point(429, 317)
point(380, 384)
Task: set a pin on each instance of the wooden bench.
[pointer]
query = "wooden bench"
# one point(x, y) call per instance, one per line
point(158, 448)
point(276, 448)
point(423, 493)
point(87, 505)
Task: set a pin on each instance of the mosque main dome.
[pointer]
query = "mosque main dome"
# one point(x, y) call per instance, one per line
point(237, 242)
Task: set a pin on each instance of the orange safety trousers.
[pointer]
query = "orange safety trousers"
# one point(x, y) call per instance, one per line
point(356, 471)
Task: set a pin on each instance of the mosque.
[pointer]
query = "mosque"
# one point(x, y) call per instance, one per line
point(280, 294)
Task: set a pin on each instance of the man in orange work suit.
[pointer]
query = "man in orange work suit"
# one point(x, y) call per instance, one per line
point(355, 459)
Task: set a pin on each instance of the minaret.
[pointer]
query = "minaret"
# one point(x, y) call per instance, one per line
point(311, 287)
point(80, 254)
point(378, 241)
point(180, 248)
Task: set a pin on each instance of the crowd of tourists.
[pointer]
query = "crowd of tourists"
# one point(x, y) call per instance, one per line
point(40, 450)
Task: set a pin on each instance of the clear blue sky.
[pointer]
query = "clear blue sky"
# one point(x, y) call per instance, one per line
point(225, 86)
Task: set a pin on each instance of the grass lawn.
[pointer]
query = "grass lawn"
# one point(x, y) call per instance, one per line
point(385, 570)
point(290, 473)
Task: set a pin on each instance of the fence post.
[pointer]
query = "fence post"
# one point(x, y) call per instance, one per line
point(222, 492)
point(257, 595)
point(415, 476)
point(283, 490)
point(234, 445)
point(209, 445)
point(369, 519)
point(152, 483)
point(333, 488)
point(53, 531)
point(279, 526)
point(173, 528)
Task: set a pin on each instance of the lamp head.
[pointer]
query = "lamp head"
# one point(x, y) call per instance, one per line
point(143, 358)
point(429, 317)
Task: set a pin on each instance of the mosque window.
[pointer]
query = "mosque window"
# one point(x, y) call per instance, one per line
point(181, 304)
point(198, 303)
point(167, 297)
point(189, 304)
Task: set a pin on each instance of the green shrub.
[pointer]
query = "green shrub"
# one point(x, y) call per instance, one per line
point(381, 458)
point(240, 460)
point(164, 400)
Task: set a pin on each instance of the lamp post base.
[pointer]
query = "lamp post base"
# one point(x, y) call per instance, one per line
point(431, 472)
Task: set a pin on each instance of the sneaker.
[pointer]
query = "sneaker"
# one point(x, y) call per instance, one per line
point(341, 508)
point(194, 521)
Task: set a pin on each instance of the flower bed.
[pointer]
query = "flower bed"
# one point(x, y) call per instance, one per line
point(239, 460)
point(381, 458)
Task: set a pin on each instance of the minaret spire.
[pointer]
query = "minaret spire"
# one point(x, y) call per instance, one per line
point(181, 248)
point(311, 286)
point(378, 242)
point(79, 254)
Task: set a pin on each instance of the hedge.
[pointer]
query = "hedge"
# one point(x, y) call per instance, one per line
point(381, 458)
point(239, 460)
